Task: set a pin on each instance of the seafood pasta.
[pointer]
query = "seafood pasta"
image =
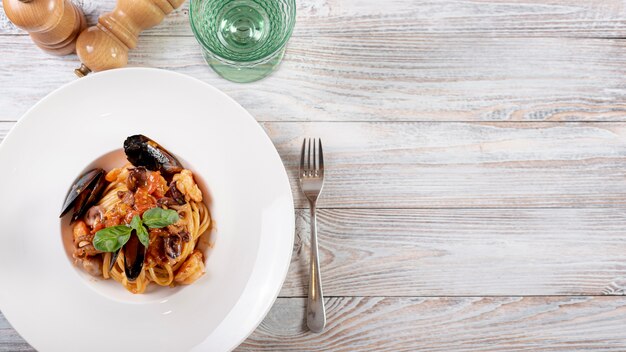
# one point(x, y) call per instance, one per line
point(139, 223)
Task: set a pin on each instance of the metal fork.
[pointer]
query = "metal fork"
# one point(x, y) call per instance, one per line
point(311, 182)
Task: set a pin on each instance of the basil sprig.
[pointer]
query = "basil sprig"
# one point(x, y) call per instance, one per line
point(157, 218)
point(112, 238)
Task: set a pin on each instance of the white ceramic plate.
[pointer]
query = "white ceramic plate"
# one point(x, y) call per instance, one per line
point(56, 307)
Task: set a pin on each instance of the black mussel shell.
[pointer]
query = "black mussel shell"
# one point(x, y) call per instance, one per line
point(82, 192)
point(113, 259)
point(97, 188)
point(80, 184)
point(134, 255)
point(143, 151)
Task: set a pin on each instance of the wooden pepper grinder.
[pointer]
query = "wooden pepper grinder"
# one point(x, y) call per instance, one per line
point(53, 25)
point(105, 45)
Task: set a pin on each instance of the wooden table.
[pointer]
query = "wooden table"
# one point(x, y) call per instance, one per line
point(476, 151)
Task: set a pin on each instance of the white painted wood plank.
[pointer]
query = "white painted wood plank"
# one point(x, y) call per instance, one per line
point(461, 165)
point(463, 252)
point(566, 324)
point(10, 340)
point(378, 79)
point(468, 252)
point(355, 18)
point(175, 24)
point(450, 60)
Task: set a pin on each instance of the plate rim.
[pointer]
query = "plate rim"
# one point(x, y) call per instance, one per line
point(292, 228)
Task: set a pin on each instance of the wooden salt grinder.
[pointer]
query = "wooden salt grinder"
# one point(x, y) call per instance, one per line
point(105, 45)
point(53, 25)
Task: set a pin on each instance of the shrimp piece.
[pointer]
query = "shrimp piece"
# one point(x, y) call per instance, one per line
point(113, 174)
point(187, 186)
point(191, 270)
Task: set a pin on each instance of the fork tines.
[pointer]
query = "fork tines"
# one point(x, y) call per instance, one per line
point(311, 159)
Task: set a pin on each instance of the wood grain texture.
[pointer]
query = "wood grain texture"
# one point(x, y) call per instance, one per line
point(460, 165)
point(430, 252)
point(463, 252)
point(475, 151)
point(52, 25)
point(523, 18)
point(379, 79)
point(105, 46)
point(448, 324)
point(176, 23)
point(10, 340)
point(433, 324)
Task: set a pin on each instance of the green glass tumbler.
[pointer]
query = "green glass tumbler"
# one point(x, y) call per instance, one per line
point(243, 40)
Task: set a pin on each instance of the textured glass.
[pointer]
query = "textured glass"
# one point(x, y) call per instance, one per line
point(243, 40)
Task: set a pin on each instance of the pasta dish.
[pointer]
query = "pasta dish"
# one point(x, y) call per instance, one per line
point(139, 223)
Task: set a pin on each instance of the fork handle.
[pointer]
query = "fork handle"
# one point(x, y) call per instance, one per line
point(316, 313)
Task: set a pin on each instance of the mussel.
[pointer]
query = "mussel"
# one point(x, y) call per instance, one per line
point(86, 190)
point(175, 194)
point(143, 151)
point(173, 246)
point(113, 259)
point(134, 255)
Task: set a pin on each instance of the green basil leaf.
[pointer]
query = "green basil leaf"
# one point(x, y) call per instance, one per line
point(136, 223)
point(157, 218)
point(112, 238)
point(143, 235)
